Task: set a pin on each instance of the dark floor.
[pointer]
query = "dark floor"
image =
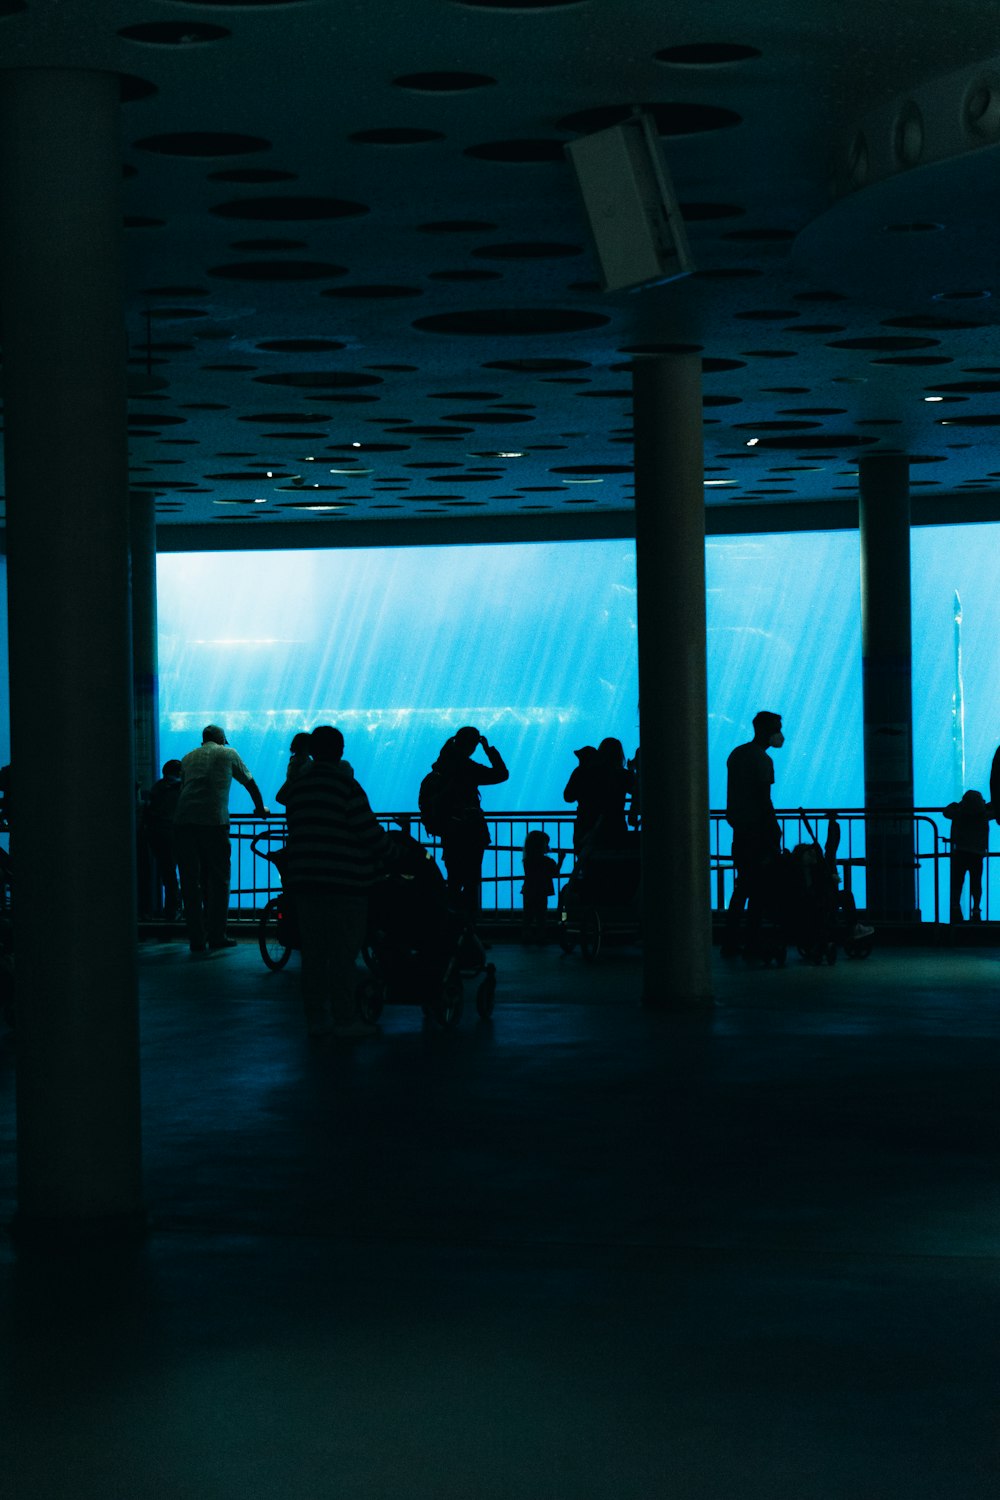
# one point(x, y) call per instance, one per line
point(584, 1250)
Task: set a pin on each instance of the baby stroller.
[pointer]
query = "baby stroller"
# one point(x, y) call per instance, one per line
point(277, 929)
point(811, 896)
point(417, 949)
point(600, 898)
point(802, 904)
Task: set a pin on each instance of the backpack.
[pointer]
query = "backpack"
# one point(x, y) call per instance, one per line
point(434, 802)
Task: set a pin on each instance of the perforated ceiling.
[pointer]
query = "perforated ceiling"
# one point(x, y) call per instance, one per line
point(361, 285)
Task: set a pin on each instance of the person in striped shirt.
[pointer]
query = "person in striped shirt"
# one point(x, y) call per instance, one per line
point(335, 852)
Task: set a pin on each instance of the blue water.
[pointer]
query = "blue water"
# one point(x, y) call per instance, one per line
point(536, 645)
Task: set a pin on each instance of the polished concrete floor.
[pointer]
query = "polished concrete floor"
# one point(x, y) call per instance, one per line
point(582, 1250)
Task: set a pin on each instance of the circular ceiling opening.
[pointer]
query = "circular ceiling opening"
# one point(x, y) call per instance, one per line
point(278, 270)
point(131, 88)
point(174, 33)
point(457, 226)
point(502, 322)
point(373, 291)
point(300, 346)
point(395, 135)
point(252, 174)
point(238, 4)
point(279, 210)
point(525, 5)
point(318, 379)
point(443, 83)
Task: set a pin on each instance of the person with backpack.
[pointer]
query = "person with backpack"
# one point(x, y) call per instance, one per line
point(451, 810)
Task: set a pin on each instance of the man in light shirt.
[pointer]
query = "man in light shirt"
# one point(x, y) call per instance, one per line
point(201, 836)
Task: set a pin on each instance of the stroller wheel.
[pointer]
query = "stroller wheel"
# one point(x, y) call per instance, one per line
point(370, 998)
point(271, 937)
point(590, 934)
point(447, 1009)
point(486, 993)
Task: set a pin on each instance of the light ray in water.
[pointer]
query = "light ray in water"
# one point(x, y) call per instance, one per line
point(958, 706)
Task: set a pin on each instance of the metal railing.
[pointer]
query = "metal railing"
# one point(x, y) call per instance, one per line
point(255, 880)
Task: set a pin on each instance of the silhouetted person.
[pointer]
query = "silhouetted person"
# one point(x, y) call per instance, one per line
point(299, 756)
point(465, 836)
point(335, 852)
point(540, 871)
point(201, 836)
point(600, 786)
point(970, 838)
point(756, 831)
point(158, 822)
point(579, 789)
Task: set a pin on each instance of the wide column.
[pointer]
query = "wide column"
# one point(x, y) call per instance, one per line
point(145, 664)
point(70, 653)
point(673, 699)
point(884, 520)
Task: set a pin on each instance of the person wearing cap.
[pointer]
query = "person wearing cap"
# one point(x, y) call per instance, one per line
point(751, 815)
point(201, 836)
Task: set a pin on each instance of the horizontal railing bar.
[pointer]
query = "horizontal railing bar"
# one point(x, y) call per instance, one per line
point(256, 883)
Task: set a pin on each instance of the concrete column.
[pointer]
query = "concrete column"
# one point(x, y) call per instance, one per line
point(673, 708)
point(145, 669)
point(70, 653)
point(884, 519)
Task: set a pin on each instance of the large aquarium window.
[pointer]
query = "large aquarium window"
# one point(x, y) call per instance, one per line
point(399, 647)
point(956, 664)
point(534, 643)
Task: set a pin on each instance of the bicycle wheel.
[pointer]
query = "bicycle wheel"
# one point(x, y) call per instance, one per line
point(447, 1006)
point(271, 937)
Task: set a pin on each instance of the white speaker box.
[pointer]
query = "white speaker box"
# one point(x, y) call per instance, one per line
point(634, 217)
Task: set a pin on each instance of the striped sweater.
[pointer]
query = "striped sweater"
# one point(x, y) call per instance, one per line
point(334, 839)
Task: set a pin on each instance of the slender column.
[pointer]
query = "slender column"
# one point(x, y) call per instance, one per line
point(884, 519)
point(70, 656)
point(145, 670)
point(673, 708)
